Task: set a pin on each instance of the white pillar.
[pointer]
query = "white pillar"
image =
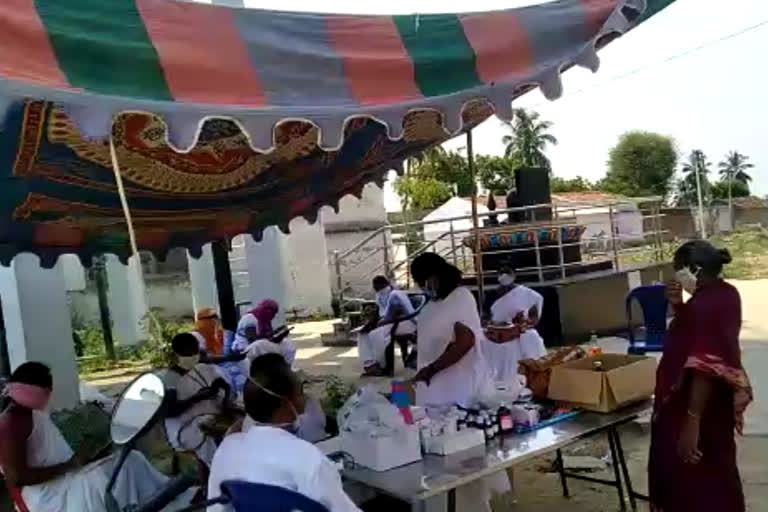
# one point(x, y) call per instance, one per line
point(127, 302)
point(307, 269)
point(38, 324)
point(267, 271)
point(202, 279)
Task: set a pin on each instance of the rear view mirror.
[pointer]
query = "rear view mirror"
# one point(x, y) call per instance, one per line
point(137, 408)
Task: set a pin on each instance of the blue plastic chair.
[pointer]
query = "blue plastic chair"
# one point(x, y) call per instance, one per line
point(653, 302)
point(246, 496)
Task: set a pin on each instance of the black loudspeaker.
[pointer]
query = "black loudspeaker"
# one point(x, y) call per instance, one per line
point(532, 185)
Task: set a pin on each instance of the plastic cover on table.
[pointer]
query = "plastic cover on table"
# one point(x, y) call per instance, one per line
point(368, 411)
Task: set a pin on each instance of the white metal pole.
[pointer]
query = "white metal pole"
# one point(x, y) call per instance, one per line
point(730, 199)
point(702, 229)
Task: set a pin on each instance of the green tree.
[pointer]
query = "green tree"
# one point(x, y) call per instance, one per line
point(733, 171)
point(433, 178)
point(735, 166)
point(721, 191)
point(577, 184)
point(496, 173)
point(529, 139)
point(641, 164)
point(687, 192)
point(422, 193)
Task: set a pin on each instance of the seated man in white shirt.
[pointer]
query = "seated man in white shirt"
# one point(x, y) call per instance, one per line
point(197, 395)
point(267, 451)
point(376, 335)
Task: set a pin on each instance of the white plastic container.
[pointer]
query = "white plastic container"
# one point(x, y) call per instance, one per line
point(385, 452)
point(447, 444)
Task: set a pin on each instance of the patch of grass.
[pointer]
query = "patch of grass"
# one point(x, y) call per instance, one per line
point(749, 248)
point(647, 254)
point(156, 351)
point(335, 393)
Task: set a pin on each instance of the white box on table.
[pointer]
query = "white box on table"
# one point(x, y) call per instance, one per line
point(447, 444)
point(383, 453)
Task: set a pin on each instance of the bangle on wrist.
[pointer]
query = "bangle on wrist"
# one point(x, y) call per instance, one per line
point(693, 415)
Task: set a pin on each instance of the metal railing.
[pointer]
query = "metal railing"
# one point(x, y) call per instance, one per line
point(390, 249)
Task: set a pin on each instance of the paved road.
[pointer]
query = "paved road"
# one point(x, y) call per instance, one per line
point(754, 342)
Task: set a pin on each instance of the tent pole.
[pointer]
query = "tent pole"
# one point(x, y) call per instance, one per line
point(224, 288)
point(100, 275)
point(475, 225)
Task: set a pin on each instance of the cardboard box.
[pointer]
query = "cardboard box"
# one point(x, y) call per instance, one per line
point(383, 453)
point(625, 379)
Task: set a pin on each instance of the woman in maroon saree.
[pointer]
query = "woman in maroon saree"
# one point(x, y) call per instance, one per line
point(701, 391)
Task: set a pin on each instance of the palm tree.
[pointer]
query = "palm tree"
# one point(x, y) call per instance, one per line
point(529, 139)
point(734, 167)
point(696, 181)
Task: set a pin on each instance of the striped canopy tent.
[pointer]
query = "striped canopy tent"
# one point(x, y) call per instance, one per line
point(227, 120)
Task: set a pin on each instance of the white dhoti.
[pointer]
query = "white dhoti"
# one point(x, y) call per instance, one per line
point(372, 346)
point(83, 490)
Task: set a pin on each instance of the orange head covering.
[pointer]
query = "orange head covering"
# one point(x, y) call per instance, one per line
point(208, 326)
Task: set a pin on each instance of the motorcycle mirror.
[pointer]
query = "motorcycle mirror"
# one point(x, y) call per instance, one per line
point(136, 408)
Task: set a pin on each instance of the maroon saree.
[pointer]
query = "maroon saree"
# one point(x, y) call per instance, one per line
point(703, 337)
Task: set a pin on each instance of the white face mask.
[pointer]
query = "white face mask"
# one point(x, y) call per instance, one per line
point(188, 362)
point(506, 279)
point(687, 279)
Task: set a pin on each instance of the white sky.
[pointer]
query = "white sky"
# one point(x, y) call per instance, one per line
point(711, 99)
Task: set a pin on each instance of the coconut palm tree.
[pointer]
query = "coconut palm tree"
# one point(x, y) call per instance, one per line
point(734, 168)
point(529, 139)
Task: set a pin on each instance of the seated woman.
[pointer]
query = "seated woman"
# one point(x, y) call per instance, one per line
point(512, 335)
point(256, 336)
point(35, 456)
point(267, 451)
point(376, 335)
point(197, 396)
point(209, 333)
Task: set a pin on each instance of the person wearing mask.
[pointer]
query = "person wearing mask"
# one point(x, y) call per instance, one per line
point(702, 390)
point(209, 333)
point(512, 335)
point(256, 336)
point(197, 395)
point(267, 450)
point(35, 457)
point(376, 336)
point(451, 369)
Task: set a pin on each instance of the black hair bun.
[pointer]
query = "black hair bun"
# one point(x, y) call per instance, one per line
point(725, 256)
